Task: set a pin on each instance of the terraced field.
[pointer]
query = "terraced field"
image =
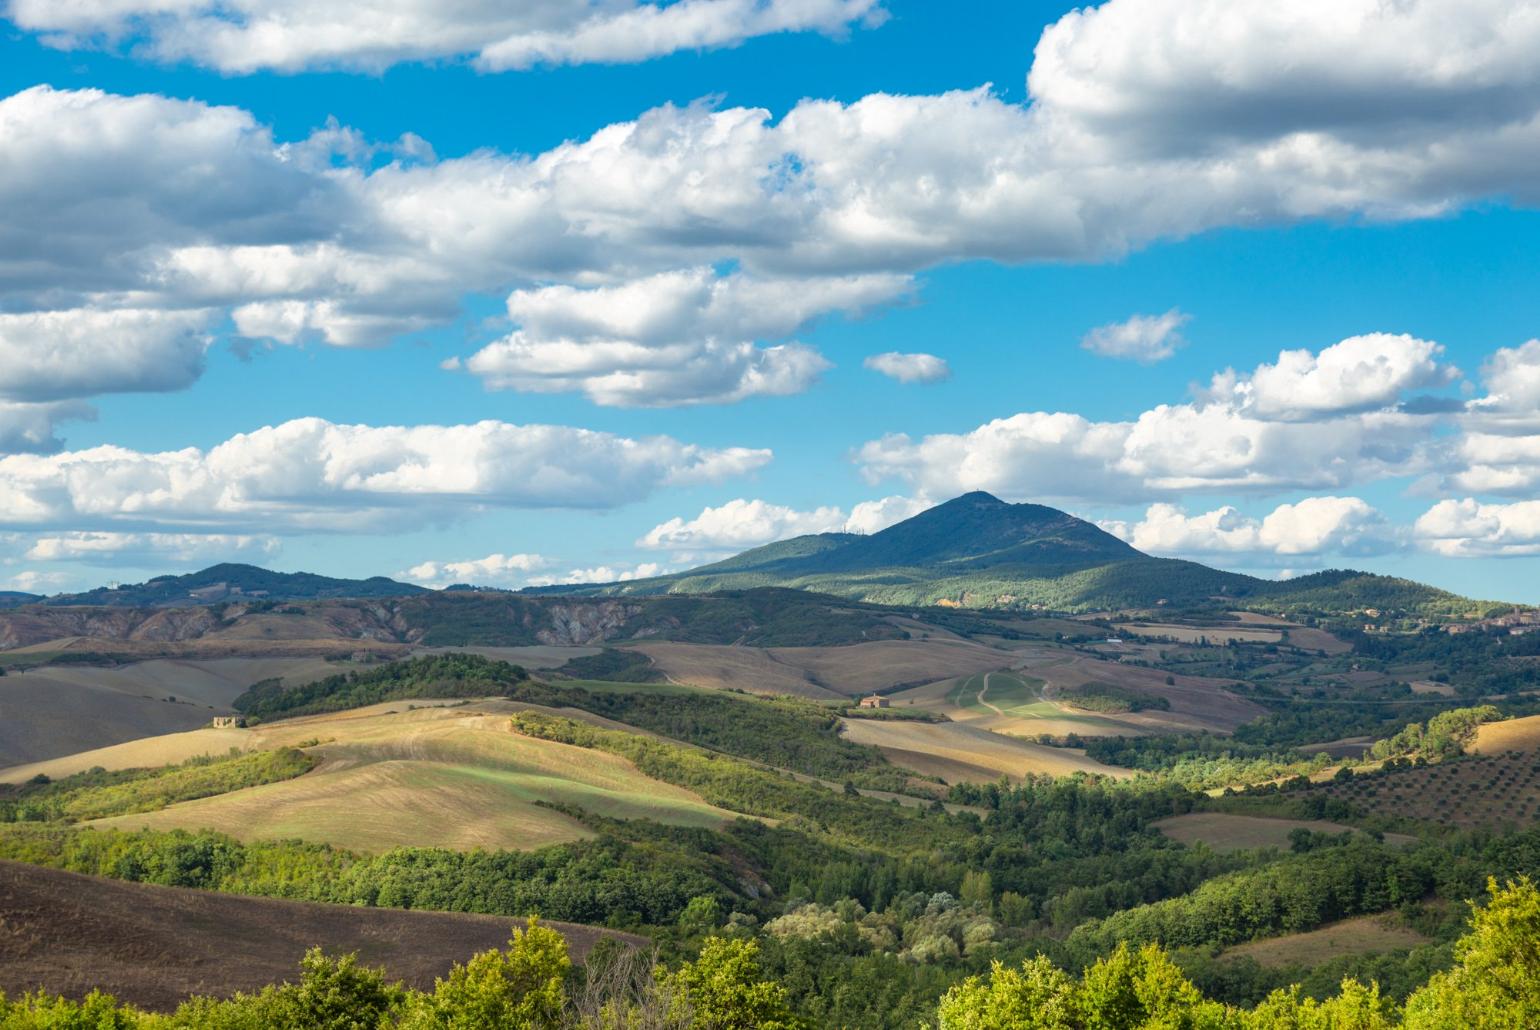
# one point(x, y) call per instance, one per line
point(452, 777)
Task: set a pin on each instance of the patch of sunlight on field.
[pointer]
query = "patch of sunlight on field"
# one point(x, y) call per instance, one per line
point(433, 777)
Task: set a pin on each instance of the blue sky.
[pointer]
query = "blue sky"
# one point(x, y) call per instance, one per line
point(1288, 192)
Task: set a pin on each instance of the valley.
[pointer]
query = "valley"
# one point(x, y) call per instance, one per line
point(935, 786)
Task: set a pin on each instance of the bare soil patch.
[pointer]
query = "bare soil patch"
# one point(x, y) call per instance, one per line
point(154, 946)
point(1365, 935)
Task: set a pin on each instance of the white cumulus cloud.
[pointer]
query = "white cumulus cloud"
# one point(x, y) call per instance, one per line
point(1142, 338)
point(741, 524)
point(149, 550)
point(81, 352)
point(1310, 421)
point(679, 337)
point(603, 574)
point(244, 36)
point(1146, 120)
point(310, 474)
point(910, 368)
point(499, 570)
point(1470, 529)
point(1312, 527)
point(1360, 373)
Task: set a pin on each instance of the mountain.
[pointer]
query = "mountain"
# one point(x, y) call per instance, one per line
point(234, 582)
point(12, 598)
point(978, 551)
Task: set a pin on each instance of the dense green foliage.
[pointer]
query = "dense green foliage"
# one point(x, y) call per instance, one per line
point(1444, 736)
point(613, 666)
point(1494, 985)
point(435, 676)
point(730, 783)
point(761, 618)
point(785, 732)
point(97, 794)
point(249, 580)
point(1199, 761)
point(1110, 699)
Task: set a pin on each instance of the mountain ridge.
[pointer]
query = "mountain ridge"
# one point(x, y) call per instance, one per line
point(977, 551)
point(231, 581)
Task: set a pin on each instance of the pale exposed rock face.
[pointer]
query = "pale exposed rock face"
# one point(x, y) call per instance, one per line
point(577, 625)
point(35, 626)
point(247, 624)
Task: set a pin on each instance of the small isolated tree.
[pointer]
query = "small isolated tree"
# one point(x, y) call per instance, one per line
point(1038, 996)
point(332, 994)
point(724, 989)
point(522, 988)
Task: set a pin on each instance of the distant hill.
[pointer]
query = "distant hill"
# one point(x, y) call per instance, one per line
point(12, 598)
point(234, 582)
point(977, 551)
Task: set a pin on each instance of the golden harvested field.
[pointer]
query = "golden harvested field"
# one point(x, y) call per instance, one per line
point(1508, 735)
point(1224, 832)
point(822, 673)
point(1479, 790)
point(447, 776)
point(959, 753)
point(62, 709)
point(1365, 935)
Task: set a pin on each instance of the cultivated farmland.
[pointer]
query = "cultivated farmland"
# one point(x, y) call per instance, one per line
point(452, 777)
point(154, 946)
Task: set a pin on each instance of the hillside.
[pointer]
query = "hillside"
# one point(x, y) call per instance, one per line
point(153, 945)
point(231, 581)
point(976, 551)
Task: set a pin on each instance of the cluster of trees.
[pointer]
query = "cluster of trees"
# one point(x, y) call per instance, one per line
point(1495, 985)
point(1446, 735)
point(97, 793)
point(530, 985)
point(1110, 699)
point(435, 676)
point(786, 732)
point(1199, 761)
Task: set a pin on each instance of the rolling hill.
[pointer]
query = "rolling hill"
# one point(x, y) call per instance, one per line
point(977, 551)
point(231, 582)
